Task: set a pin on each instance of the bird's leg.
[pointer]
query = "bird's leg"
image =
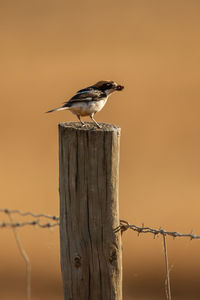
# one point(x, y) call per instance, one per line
point(92, 117)
point(83, 124)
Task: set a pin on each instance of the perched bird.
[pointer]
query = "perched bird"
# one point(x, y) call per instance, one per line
point(90, 100)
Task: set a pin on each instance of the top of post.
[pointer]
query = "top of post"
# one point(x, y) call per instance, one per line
point(89, 126)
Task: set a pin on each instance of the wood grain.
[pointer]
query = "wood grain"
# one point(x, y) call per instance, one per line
point(91, 260)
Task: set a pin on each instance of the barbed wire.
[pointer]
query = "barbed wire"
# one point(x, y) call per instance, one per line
point(124, 226)
point(36, 222)
point(31, 223)
point(29, 213)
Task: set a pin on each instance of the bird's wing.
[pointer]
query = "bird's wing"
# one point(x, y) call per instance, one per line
point(85, 95)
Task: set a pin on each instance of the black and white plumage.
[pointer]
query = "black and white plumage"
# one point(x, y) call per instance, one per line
point(90, 100)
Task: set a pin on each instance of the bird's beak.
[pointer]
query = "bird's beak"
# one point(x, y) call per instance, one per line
point(119, 87)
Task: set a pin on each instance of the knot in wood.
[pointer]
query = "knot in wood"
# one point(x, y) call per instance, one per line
point(77, 261)
point(113, 256)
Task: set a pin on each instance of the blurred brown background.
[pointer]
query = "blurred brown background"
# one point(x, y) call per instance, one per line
point(50, 49)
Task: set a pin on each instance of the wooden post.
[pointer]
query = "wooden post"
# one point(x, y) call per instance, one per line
point(91, 260)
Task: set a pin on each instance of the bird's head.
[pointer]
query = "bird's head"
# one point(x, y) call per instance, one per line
point(108, 86)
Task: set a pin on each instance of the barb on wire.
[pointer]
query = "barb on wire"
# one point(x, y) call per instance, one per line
point(124, 225)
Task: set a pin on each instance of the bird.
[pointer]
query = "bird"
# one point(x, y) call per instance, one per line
point(90, 100)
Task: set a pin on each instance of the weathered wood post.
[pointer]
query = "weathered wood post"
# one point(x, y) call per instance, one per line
point(91, 260)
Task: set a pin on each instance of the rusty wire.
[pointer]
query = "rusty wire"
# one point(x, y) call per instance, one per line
point(124, 226)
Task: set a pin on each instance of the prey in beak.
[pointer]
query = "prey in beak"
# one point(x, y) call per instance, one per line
point(119, 87)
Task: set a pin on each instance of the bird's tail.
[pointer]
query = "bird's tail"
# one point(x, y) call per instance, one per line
point(56, 109)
